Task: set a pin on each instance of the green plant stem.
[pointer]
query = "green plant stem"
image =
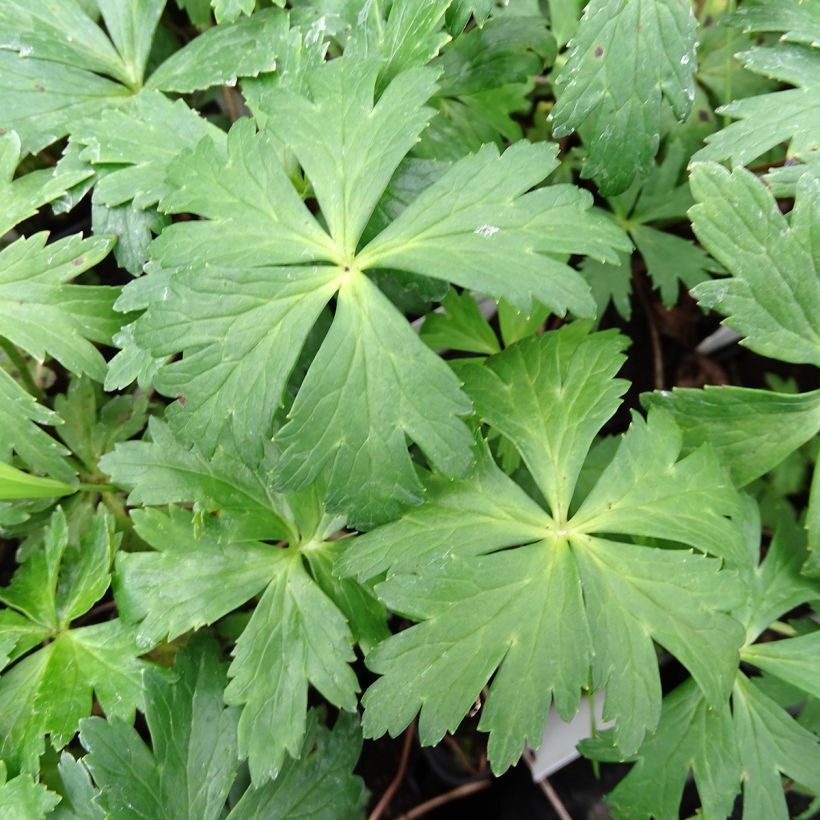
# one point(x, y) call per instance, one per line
point(20, 364)
point(96, 488)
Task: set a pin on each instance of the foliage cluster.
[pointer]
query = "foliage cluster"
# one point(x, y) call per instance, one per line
point(318, 371)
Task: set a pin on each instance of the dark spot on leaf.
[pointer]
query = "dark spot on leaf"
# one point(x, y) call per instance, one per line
point(181, 399)
point(39, 87)
point(78, 261)
point(2, 131)
point(347, 268)
point(708, 21)
point(599, 52)
point(703, 116)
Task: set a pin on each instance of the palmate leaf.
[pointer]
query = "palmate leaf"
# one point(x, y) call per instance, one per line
point(748, 741)
point(574, 603)
point(302, 630)
point(628, 55)
point(193, 761)
point(240, 301)
point(773, 295)
point(49, 690)
point(59, 68)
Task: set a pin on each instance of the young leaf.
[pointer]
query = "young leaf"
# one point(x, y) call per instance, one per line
point(627, 56)
point(22, 798)
point(299, 630)
point(15, 483)
point(50, 690)
point(773, 295)
point(19, 416)
point(567, 600)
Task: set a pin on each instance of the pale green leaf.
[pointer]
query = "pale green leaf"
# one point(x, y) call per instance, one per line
point(22, 798)
point(550, 396)
point(227, 11)
point(798, 19)
point(140, 140)
point(770, 742)
point(43, 101)
point(15, 483)
point(690, 736)
point(501, 586)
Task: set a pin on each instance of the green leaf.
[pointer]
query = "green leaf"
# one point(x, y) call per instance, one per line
point(501, 586)
point(372, 367)
point(550, 396)
point(162, 471)
point(627, 57)
point(92, 425)
point(327, 758)
point(690, 736)
point(42, 314)
point(770, 742)
point(800, 21)
point(296, 633)
point(239, 301)
point(773, 295)
point(738, 423)
point(478, 219)
point(139, 141)
point(56, 64)
point(134, 230)
point(795, 660)
point(192, 764)
point(15, 483)
point(50, 690)
point(227, 11)
point(19, 416)
point(295, 636)
point(671, 261)
point(24, 195)
point(798, 109)
point(131, 29)
point(409, 38)
point(77, 792)
point(23, 799)
point(462, 327)
point(221, 55)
